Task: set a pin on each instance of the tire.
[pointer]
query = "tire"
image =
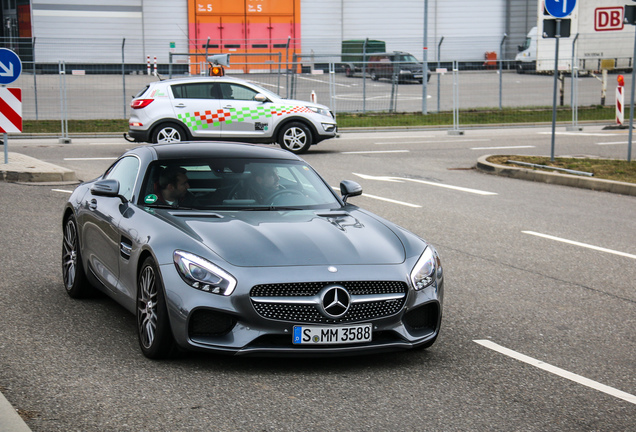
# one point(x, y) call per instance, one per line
point(374, 76)
point(73, 275)
point(295, 137)
point(153, 325)
point(168, 133)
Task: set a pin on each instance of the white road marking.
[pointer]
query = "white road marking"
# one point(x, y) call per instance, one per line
point(434, 142)
point(585, 245)
point(90, 159)
point(400, 179)
point(613, 143)
point(323, 81)
point(386, 199)
point(62, 190)
point(576, 133)
point(379, 151)
point(558, 371)
point(501, 148)
point(392, 201)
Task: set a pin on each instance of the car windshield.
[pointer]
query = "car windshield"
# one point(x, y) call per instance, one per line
point(236, 184)
point(268, 93)
point(408, 58)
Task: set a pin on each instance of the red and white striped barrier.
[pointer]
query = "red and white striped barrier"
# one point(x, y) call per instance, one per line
point(10, 110)
point(620, 99)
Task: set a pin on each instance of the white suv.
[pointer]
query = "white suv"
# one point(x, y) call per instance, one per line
point(226, 109)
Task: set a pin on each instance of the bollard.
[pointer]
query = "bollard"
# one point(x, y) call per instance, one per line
point(155, 66)
point(620, 115)
point(313, 97)
point(148, 64)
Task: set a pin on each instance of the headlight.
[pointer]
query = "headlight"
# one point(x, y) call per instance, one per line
point(423, 274)
point(203, 275)
point(319, 110)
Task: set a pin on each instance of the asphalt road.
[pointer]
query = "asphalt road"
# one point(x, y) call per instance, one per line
point(538, 333)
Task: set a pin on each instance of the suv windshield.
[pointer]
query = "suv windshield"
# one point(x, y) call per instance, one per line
point(236, 184)
point(406, 58)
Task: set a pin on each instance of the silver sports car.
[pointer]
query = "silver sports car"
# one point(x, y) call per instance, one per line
point(246, 250)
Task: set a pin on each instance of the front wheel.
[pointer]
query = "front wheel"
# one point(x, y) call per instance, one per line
point(168, 133)
point(153, 326)
point(295, 137)
point(374, 76)
point(73, 274)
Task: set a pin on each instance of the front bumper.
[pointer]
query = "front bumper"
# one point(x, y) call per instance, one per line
point(209, 322)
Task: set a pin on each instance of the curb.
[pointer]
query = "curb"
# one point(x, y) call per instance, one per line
point(26, 169)
point(616, 187)
point(9, 418)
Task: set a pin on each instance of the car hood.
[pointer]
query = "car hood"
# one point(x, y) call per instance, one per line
point(296, 238)
point(300, 103)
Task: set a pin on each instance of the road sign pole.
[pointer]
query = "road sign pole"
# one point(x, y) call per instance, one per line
point(554, 92)
point(631, 107)
point(5, 141)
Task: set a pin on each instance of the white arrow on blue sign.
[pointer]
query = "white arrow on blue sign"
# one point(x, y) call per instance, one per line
point(560, 8)
point(10, 66)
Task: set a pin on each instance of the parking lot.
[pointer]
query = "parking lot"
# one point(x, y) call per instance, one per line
point(539, 314)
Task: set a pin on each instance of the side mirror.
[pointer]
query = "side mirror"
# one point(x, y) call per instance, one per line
point(108, 188)
point(259, 97)
point(349, 188)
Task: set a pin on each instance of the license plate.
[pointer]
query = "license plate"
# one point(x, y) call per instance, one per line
point(310, 335)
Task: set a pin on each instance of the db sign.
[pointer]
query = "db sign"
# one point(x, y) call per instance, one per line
point(608, 18)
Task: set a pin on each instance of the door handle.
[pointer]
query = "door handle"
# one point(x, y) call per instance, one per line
point(180, 106)
point(93, 204)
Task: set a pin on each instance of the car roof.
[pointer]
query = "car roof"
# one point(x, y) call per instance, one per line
point(212, 149)
point(200, 79)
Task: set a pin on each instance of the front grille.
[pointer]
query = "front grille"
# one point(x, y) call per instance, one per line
point(298, 301)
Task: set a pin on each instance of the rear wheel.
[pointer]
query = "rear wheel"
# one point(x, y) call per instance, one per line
point(153, 326)
point(73, 274)
point(168, 133)
point(374, 76)
point(295, 137)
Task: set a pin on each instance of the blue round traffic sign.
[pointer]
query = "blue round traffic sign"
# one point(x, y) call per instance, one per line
point(559, 8)
point(10, 66)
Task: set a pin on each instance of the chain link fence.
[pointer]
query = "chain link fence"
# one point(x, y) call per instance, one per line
point(75, 89)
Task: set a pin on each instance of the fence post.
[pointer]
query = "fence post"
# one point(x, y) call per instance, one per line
point(65, 139)
point(455, 130)
point(287, 68)
point(123, 73)
point(364, 76)
point(35, 83)
point(332, 87)
point(574, 90)
point(501, 69)
point(439, 75)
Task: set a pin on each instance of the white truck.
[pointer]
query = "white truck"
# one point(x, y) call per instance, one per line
point(601, 40)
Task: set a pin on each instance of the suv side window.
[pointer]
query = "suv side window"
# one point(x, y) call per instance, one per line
point(125, 171)
point(194, 91)
point(237, 92)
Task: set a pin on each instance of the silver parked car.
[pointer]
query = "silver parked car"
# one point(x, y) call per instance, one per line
point(226, 109)
point(245, 250)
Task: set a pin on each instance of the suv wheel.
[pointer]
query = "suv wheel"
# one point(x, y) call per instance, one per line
point(295, 137)
point(168, 133)
point(374, 76)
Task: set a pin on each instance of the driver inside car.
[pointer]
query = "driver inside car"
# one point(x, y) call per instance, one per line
point(262, 184)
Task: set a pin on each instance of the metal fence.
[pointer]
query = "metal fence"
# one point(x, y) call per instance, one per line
point(76, 90)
